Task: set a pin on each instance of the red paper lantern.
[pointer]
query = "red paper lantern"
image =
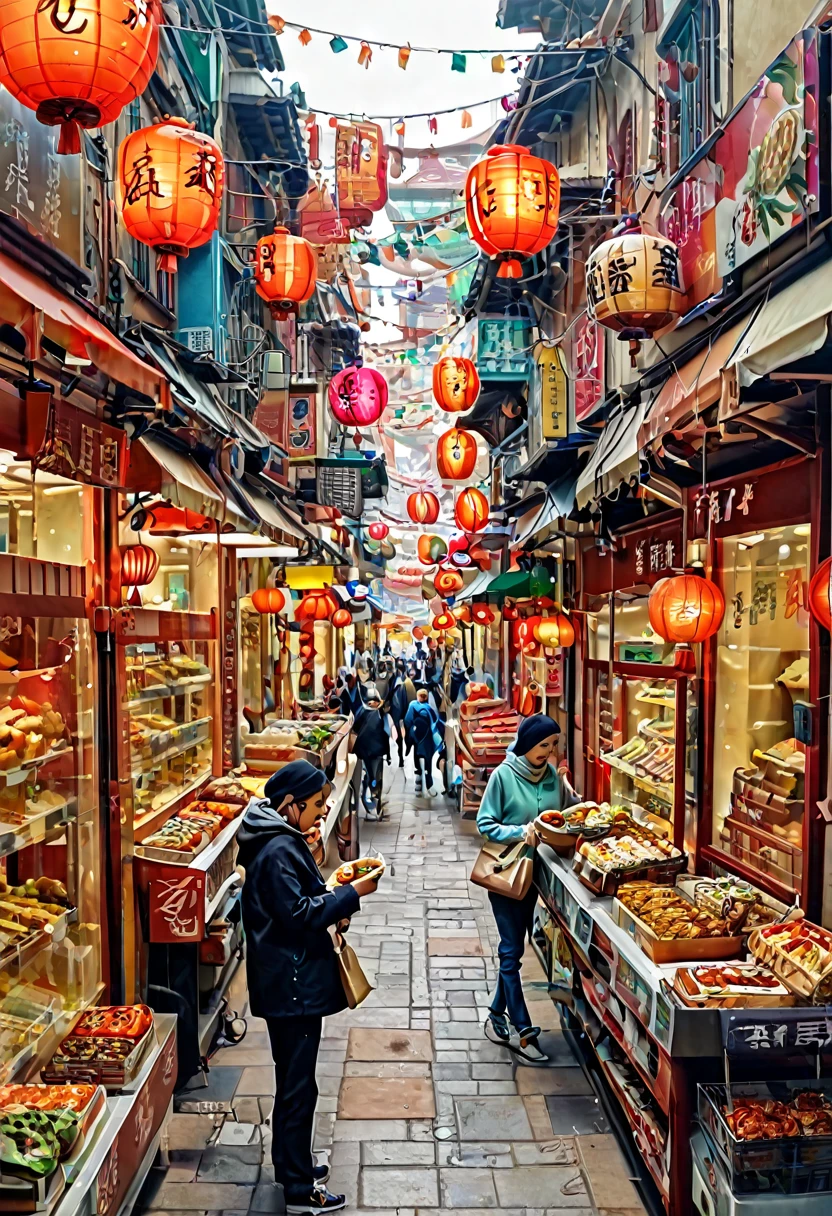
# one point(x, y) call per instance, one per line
point(448, 582)
point(378, 531)
point(456, 454)
point(341, 617)
point(77, 63)
point(471, 511)
point(268, 600)
point(512, 200)
point(285, 271)
point(418, 633)
point(430, 549)
point(445, 620)
point(423, 507)
point(555, 630)
point(139, 564)
point(170, 184)
point(481, 614)
point(357, 396)
point(316, 606)
point(456, 384)
point(820, 604)
point(686, 609)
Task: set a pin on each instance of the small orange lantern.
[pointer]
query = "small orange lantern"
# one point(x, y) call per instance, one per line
point(456, 384)
point(512, 201)
point(341, 617)
point(819, 594)
point(268, 600)
point(423, 507)
point(686, 609)
point(430, 549)
point(445, 620)
point(481, 614)
point(139, 564)
point(77, 63)
point(456, 454)
point(471, 511)
point(285, 270)
point(170, 184)
point(448, 582)
point(634, 283)
point(316, 606)
point(418, 633)
point(555, 630)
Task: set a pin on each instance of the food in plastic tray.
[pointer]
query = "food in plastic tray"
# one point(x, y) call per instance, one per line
point(47, 1097)
point(83, 1049)
point(799, 953)
point(635, 848)
point(33, 1142)
point(734, 984)
point(178, 835)
point(668, 914)
point(364, 867)
point(808, 1114)
point(227, 790)
point(114, 1021)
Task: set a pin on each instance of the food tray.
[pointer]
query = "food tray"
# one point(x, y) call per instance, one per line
point(693, 991)
point(113, 1076)
point(560, 839)
point(811, 985)
point(680, 950)
point(785, 1166)
point(182, 857)
point(607, 882)
point(377, 866)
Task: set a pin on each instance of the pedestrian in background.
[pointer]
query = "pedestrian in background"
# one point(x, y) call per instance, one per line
point(421, 724)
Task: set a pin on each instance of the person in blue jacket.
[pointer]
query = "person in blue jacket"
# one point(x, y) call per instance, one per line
point(422, 726)
point(294, 980)
point(518, 790)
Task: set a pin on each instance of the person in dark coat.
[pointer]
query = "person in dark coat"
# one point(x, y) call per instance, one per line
point(422, 725)
point(293, 976)
point(370, 743)
point(404, 692)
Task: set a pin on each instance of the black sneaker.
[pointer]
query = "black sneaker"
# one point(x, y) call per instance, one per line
point(321, 1174)
point(319, 1201)
point(497, 1029)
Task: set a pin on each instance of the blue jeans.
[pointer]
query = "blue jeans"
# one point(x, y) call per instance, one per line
point(514, 921)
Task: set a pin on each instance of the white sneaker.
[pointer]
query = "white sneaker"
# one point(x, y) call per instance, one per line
point(524, 1044)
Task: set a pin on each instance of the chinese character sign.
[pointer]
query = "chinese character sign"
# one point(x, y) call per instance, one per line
point(360, 166)
point(588, 365)
point(634, 284)
point(552, 390)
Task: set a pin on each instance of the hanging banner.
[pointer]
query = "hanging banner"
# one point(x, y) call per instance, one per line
point(360, 169)
point(550, 391)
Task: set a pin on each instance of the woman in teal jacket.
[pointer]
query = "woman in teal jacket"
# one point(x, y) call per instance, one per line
point(518, 790)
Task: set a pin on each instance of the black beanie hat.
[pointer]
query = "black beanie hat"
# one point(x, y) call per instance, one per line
point(531, 732)
point(299, 778)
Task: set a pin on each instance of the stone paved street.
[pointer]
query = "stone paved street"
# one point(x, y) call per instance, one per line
point(417, 1110)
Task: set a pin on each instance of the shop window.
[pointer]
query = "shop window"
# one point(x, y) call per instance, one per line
point(187, 577)
point(762, 670)
point(166, 289)
point(699, 105)
point(42, 515)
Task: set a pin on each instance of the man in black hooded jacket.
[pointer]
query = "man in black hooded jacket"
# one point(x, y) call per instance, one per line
point(293, 976)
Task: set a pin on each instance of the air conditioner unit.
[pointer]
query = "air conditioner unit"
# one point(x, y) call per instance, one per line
point(199, 339)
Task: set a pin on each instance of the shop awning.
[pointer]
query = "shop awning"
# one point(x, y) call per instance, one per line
point(32, 305)
point(514, 583)
point(183, 482)
point(616, 456)
point(274, 516)
point(480, 586)
point(557, 504)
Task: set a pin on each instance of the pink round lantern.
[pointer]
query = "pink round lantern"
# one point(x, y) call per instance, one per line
point(357, 396)
point(378, 531)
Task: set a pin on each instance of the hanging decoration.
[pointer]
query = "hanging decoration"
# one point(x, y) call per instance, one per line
point(481, 614)
point(357, 395)
point(77, 63)
point(170, 185)
point(456, 384)
point(360, 171)
point(423, 507)
point(472, 510)
point(285, 270)
point(317, 606)
point(430, 549)
point(456, 454)
point(268, 600)
point(820, 601)
point(512, 202)
point(685, 609)
point(448, 582)
point(341, 617)
point(139, 565)
point(462, 614)
point(445, 620)
point(378, 531)
point(634, 284)
point(555, 631)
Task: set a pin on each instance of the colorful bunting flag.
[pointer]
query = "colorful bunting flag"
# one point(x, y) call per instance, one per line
point(498, 63)
point(277, 23)
point(467, 120)
point(399, 128)
point(433, 125)
point(337, 44)
point(365, 55)
point(458, 62)
point(304, 37)
point(404, 55)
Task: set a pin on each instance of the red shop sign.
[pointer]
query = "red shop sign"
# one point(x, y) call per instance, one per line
point(640, 558)
point(588, 364)
point(72, 443)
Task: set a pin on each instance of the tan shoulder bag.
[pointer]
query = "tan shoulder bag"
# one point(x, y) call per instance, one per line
point(356, 985)
point(505, 869)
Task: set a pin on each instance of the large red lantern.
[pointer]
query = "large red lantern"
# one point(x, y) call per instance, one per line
point(512, 200)
point(77, 63)
point(456, 384)
point(555, 631)
point(456, 454)
point(423, 507)
point(820, 602)
point(170, 184)
point(268, 600)
point(317, 606)
point(357, 396)
point(471, 511)
point(139, 564)
point(378, 531)
point(686, 609)
point(285, 270)
point(448, 582)
point(341, 618)
point(445, 620)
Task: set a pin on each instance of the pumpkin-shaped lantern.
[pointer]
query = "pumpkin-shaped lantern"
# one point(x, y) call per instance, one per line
point(285, 270)
point(139, 564)
point(268, 600)
point(316, 606)
point(341, 617)
point(170, 184)
point(819, 594)
point(481, 614)
point(555, 630)
point(634, 283)
point(686, 609)
point(512, 201)
point(430, 549)
point(423, 507)
point(471, 510)
point(456, 454)
point(445, 620)
point(456, 384)
point(77, 63)
point(448, 582)
point(357, 396)
point(378, 531)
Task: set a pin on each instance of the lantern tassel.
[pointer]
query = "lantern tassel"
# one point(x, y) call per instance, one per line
point(510, 269)
point(69, 140)
point(134, 597)
point(168, 263)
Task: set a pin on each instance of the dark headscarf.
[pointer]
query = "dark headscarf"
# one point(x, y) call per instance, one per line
point(533, 731)
point(299, 778)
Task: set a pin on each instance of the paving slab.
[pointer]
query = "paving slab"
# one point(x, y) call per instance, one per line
point(454, 947)
point(553, 1081)
point(386, 1097)
point(383, 1044)
point(395, 1152)
point(498, 1118)
point(542, 1186)
point(387, 1188)
point(467, 1188)
point(576, 1116)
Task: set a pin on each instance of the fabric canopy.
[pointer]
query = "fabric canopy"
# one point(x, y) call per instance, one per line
point(789, 326)
point(616, 456)
point(184, 483)
point(33, 306)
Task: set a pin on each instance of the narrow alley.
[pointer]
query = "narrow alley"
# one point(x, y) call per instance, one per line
point(416, 1109)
